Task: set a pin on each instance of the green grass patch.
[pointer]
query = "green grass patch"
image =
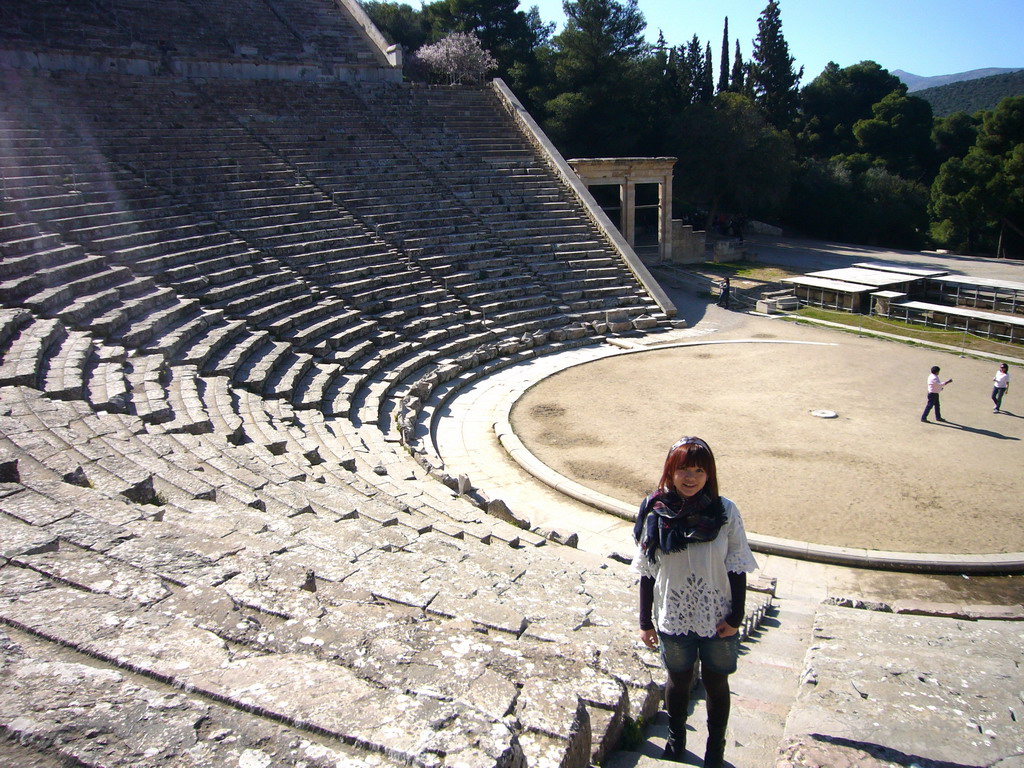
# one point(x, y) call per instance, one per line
point(911, 332)
point(745, 270)
point(632, 733)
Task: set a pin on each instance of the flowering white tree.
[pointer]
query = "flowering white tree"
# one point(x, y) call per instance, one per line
point(458, 57)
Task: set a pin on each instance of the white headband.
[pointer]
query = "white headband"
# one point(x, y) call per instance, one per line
point(695, 440)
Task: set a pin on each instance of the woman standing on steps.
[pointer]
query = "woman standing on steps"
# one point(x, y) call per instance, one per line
point(693, 560)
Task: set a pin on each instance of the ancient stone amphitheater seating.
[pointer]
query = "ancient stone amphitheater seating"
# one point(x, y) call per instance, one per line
point(311, 32)
point(225, 305)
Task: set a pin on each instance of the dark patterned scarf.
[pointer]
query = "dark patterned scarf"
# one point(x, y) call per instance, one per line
point(670, 522)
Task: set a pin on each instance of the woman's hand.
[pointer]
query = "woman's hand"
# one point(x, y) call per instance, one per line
point(725, 629)
point(649, 637)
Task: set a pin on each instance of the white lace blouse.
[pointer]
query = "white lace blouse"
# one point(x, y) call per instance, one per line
point(691, 586)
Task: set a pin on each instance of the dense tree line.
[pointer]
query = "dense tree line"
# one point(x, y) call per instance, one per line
point(850, 155)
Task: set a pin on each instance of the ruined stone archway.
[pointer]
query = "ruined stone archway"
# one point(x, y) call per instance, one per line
point(627, 173)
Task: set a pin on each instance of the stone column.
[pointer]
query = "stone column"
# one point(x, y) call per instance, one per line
point(665, 218)
point(627, 195)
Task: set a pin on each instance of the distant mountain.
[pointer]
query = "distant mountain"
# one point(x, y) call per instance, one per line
point(918, 83)
point(971, 95)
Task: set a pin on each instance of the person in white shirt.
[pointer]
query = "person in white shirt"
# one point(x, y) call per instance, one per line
point(693, 559)
point(935, 386)
point(1000, 384)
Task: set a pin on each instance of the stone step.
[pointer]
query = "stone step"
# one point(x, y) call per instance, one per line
point(147, 329)
point(172, 482)
point(75, 297)
point(12, 321)
point(278, 307)
point(287, 373)
point(173, 338)
point(80, 311)
point(56, 207)
point(256, 368)
point(311, 389)
point(27, 357)
point(210, 342)
point(211, 271)
point(260, 299)
point(233, 350)
point(139, 298)
point(106, 387)
point(160, 218)
point(335, 260)
point(44, 678)
point(147, 376)
point(219, 401)
point(96, 573)
point(67, 372)
point(31, 272)
point(306, 312)
point(23, 240)
point(185, 390)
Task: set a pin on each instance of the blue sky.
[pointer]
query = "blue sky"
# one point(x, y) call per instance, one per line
point(924, 37)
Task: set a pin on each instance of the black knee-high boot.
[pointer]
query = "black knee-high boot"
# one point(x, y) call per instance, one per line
point(677, 703)
point(717, 688)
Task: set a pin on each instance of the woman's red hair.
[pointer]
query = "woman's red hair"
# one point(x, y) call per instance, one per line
point(690, 452)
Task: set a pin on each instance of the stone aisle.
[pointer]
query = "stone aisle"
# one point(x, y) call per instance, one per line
point(763, 690)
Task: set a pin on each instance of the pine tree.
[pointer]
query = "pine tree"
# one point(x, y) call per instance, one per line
point(691, 71)
point(739, 72)
point(723, 69)
point(598, 38)
point(598, 64)
point(707, 83)
point(775, 82)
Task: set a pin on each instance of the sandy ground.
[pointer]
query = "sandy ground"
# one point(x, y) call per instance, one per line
point(874, 476)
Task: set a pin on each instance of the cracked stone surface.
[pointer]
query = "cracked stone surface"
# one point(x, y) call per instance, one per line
point(881, 689)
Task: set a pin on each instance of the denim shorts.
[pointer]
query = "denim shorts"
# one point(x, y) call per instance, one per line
point(717, 654)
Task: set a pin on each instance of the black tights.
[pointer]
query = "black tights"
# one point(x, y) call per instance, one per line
point(677, 697)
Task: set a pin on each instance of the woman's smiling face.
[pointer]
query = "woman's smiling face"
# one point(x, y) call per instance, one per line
point(689, 481)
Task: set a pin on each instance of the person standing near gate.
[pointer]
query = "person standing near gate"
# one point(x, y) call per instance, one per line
point(935, 386)
point(725, 286)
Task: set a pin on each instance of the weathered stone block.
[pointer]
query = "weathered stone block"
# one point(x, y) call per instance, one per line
point(614, 316)
point(34, 508)
point(19, 538)
point(95, 573)
point(568, 538)
point(499, 509)
point(644, 322)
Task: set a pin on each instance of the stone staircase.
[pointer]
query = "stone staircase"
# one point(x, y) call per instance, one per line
point(764, 688)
